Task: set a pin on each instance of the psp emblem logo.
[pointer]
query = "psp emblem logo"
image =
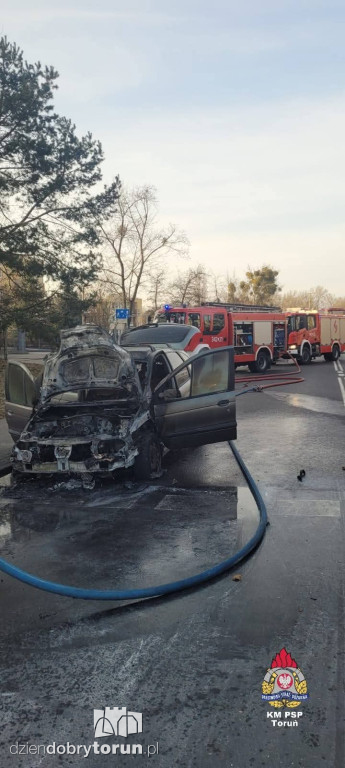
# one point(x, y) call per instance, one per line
point(116, 721)
point(284, 685)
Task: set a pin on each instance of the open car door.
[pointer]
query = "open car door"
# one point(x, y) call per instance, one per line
point(195, 405)
point(20, 393)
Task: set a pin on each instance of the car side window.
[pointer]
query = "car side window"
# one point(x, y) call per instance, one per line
point(207, 374)
point(20, 390)
point(183, 375)
point(31, 391)
point(210, 374)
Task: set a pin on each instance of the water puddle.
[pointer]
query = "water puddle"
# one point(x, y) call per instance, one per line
point(310, 403)
point(128, 533)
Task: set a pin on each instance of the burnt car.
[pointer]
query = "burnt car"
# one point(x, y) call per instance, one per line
point(99, 407)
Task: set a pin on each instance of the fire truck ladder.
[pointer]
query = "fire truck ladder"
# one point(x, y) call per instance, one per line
point(241, 307)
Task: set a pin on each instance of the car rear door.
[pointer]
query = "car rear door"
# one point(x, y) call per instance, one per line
point(203, 412)
point(20, 392)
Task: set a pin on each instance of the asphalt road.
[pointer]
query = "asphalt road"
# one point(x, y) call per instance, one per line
point(192, 664)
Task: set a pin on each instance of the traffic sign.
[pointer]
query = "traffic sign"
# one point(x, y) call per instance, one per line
point(121, 314)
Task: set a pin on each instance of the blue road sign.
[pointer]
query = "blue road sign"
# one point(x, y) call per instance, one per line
point(121, 314)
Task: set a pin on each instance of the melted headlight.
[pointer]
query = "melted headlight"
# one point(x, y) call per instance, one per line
point(24, 456)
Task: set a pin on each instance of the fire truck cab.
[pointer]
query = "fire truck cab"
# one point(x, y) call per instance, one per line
point(312, 333)
point(257, 333)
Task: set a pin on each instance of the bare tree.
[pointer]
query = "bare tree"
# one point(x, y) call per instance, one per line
point(190, 287)
point(200, 284)
point(102, 310)
point(219, 287)
point(179, 289)
point(157, 288)
point(136, 244)
point(338, 301)
point(312, 298)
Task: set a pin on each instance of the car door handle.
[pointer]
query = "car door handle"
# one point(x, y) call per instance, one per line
point(223, 402)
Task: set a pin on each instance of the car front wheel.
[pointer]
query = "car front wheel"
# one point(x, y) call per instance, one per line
point(148, 463)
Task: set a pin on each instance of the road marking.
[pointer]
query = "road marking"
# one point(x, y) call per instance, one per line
point(310, 508)
point(340, 373)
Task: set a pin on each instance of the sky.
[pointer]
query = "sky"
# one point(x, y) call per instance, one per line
point(234, 111)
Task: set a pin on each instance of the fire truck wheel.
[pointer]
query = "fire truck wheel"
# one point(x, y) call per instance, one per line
point(335, 352)
point(306, 355)
point(261, 364)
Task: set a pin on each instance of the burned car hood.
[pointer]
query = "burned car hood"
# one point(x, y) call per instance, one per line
point(88, 359)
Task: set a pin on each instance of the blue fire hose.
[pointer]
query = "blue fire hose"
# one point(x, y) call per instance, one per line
point(162, 589)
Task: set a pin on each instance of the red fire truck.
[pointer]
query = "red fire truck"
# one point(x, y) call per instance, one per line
point(311, 333)
point(258, 333)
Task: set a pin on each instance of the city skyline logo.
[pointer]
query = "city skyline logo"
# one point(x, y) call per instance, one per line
point(116, 721)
